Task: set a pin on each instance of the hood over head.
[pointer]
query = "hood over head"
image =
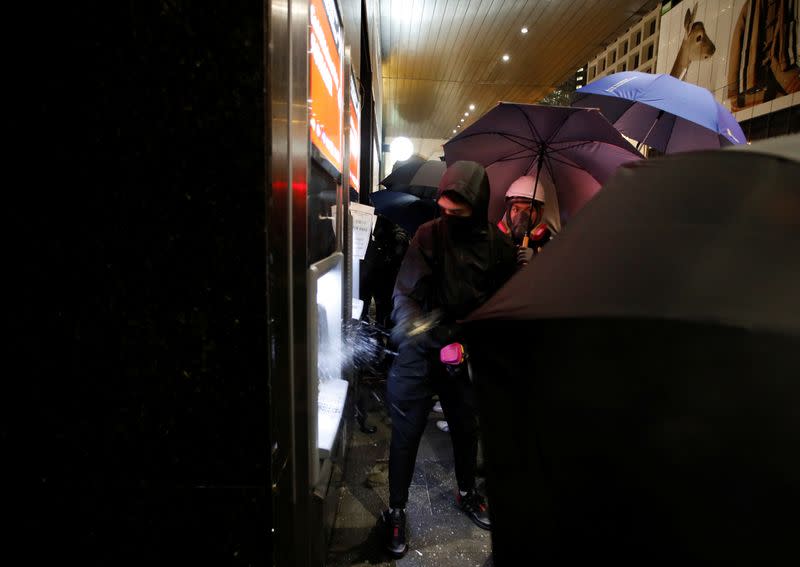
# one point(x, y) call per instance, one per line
point(468, 179)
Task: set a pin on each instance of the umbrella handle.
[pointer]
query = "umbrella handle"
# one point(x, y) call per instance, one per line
point(525, 241)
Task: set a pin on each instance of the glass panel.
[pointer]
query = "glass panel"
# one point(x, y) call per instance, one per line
point(325, 119)
point(326, 352)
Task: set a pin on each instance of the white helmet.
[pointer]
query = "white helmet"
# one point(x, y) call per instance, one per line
point(524, 186)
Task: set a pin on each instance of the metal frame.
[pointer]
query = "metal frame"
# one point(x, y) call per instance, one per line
point(344, 193)
point(295, 471)
point(287, 74)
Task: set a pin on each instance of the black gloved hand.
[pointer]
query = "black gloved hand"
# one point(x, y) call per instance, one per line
point(524, 255)
point(440, 336)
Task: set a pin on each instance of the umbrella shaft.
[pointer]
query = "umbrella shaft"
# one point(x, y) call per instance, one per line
point(660, 114)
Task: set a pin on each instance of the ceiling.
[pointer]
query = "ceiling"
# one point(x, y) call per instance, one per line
point(440, 56)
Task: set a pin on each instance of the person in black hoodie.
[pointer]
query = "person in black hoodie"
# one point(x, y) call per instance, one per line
point(452, 266)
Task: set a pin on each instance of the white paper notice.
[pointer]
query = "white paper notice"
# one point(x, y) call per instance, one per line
point(363, 222)
point(358, 307)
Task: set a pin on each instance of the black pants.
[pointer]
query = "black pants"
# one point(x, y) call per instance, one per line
point(409, 418)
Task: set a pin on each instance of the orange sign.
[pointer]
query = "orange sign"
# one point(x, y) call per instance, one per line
point(326, 102)
point(355, 137)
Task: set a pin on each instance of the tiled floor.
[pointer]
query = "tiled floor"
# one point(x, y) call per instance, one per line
point(439, 534)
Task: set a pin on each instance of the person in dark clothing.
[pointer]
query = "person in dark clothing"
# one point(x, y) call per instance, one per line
point(379, 269)
point(452, 266)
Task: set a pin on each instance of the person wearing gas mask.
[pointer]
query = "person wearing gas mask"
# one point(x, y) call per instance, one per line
point(453, 265)
point(525, 216)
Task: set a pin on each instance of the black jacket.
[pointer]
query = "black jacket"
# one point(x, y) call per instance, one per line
point(453, 269)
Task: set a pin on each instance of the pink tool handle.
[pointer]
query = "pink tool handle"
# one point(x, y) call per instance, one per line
point(452, 354)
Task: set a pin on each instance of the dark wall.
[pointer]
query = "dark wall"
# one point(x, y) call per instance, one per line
point(778, 123)
point(148, 437)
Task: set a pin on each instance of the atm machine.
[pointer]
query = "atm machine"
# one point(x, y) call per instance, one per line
point(310, 292)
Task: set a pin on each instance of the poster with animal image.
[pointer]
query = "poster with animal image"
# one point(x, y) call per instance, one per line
point(743, 51)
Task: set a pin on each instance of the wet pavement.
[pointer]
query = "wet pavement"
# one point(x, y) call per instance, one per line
point(439, 534)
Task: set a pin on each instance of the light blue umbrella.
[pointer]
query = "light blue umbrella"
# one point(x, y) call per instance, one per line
point(661, 111)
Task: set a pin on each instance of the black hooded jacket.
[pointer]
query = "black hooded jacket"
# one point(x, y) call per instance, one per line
point(454, 264)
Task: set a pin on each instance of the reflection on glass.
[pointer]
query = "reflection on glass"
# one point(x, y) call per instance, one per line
point(322, 214)
point(329, 319)
point(327, 355)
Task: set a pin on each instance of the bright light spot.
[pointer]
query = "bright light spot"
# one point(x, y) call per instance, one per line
point(580, 78)
point(579, 86)
point(472, 107)
point(466, 114)
point(401, 148)
point(581, 69)
point(524, 30)
point(506, 57)
point(454, 131)
point(462, 120)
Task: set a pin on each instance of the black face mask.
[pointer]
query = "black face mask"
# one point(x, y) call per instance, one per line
point(458, 225)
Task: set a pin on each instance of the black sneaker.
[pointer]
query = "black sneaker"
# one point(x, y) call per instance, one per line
point(395, 525)
point(474, 506)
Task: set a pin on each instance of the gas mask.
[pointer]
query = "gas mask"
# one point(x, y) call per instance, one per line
point(520, 228)
point(522, 223)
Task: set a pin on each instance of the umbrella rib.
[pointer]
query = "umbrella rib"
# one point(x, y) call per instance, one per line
point(552, 173)
point(536, 148)
point(671, 128)
point(510, 138)
point(578, 167)
point(550, 170)
point(560, 126)
point(511, 158)
point(531, 125)
point(569, 163)
point(550, 149)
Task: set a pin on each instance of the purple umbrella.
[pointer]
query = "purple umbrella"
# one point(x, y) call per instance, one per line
point(577, 149)
point(661, 111)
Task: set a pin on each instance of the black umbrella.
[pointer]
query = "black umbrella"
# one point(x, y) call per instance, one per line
point(410, 199)
point(419, 178)
point(406, 210)
point(640, 380)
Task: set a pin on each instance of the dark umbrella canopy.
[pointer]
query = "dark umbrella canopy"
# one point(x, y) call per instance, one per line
point(639, 381)
point(410, 198)
point(661, 111)
point(406, 210)
point(417, 174)
point(576, 149)
point(707, 237)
